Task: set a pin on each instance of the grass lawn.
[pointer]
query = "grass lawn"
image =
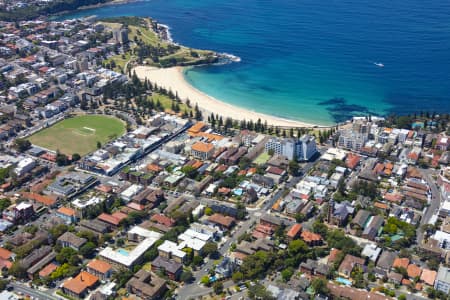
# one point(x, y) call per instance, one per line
point(79, 134)
point(166, 102)
point(262, 158)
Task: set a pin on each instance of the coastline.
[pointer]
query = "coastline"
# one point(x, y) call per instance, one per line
point(173, 79)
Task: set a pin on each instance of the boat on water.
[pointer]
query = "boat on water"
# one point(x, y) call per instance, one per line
point(378, 64)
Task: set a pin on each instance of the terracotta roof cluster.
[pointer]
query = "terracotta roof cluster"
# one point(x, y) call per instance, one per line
point(309, 236)
point(352, 160)
point(45, 200)
point(5, 253)
point(81, 282)
point(333, 255)
point(162, 219)
point(66, 211)
point(222, 220)
point(414, 271)
point(202, 147)
point(99, 266)
point(294, 231)
point(47, 270)
point(401, 263)
point(113, 219)
point(428, 276)
point(196, 128)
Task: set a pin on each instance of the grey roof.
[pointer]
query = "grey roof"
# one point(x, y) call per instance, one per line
point(443, 274)
point(343, 209)
point(44, 261)
point(169, 265)
point(386, 260)
point(361, 218)
point(72, 239)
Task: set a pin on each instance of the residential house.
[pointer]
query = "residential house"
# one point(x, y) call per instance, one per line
point(68, 239)
point(170, 250)
point(348, 264)
point(171, 268)
point(112, 220)
point(428, 277)
point(339, 212)
point(202, 150)
point(310, 238)
point(294, 232)
point(79, 286)
point(360, 220)
point(373, 227)
point(146, 285)
point(442, 282)
point(225, 222)
point(100, 268)
point(384, 264)
point(67, 214)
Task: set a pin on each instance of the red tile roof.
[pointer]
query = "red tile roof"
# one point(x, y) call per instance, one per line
point(45, 200)
point(401, 262)
point(309, 236)
point(162, 219)
point(428, 276)
point(66, 211)
point(294, 230)
point(99, 266)
point(352, 160)
point(47, 270)
point(5, 254)
point(220, 219)
point(80, 283)
point(414, 271)
point(333, 255)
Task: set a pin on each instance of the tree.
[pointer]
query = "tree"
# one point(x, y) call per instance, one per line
point(197, 260)
point(22, 145)
point(4, 203)
point(237, 276)
point(189, 171)
point(76, 157)
point(218, 287)
point(87, 249)
point(61, 159)
point(294, 168)
point(66, 254)
point(297, 246)
point(208, 211)
point(320, 286)
point(186, 276)
point(258, 291)
point(287, 273)
point(99, 145)
point(3, 284)
point(205, 280)
point(210, 249)
point(17, 270)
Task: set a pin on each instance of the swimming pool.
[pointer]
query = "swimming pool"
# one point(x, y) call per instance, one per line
point(344, 281)
point(123, 252)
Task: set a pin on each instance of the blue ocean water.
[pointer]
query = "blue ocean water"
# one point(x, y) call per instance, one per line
point(314, 60)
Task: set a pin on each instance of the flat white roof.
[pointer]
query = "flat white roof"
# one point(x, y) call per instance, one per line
point(171, 247)
point(127, 258)
point(144, 232)
point(131, 191)
point(80, 203)
point(192, 234)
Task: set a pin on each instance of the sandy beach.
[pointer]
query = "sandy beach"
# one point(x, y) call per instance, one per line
point(173, 79)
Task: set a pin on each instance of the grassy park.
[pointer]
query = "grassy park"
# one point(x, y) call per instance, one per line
point(79, 134)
